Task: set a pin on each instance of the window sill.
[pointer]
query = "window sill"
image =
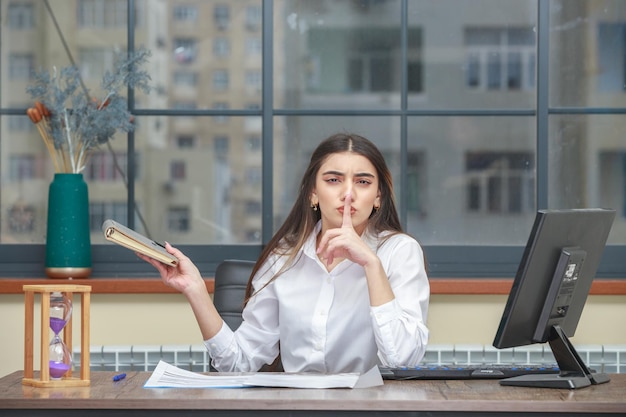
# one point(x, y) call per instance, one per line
point(439, 286)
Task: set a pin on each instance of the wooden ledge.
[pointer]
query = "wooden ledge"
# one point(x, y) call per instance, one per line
point(439, 286)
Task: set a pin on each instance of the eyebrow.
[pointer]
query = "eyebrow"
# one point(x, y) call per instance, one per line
point(339, 173)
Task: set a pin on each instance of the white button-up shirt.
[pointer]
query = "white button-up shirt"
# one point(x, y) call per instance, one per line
point(323, 320)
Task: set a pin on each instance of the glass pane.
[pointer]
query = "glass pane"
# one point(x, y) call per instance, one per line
point(204, 52)
point(474, 54)
point(199, 179)
point(473, 179)
point(31, 43)
point(588, 51)
point(296, 137)
point(339, 54)
point(587, 166)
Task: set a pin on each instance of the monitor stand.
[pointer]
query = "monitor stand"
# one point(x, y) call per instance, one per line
point(573, 371)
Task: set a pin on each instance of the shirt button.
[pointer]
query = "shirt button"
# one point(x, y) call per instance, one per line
point(318, 346)
point(329, 280)
point(213, 346)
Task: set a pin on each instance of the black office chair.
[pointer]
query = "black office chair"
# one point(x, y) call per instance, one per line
point(231, 277)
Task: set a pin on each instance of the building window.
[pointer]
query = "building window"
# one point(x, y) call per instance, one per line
point(99, 211)
point(220, 106)
point(500, 182)
point(185, 13)
point(21, 124)
point(178, 219)
point(95, 61)
point(20, 16)
point(416, 183)
point(178, 170)
point(221, 16)
point(21, 66)
point(185, 142)
point(612, 57)
point(253, 176)
point(254, 143)
point(253, 17)
point(220, 80)
point(221, 144)
point(102, 166)
point(221, 47)
point(21, 218)
point(253, 81)
point(500, 59)
point(253, 207)
point(185, 50)
point(102, 13)
point(254, 46)
point(24, 167)
point(186, 78)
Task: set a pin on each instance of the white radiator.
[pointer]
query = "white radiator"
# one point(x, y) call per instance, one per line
point(607, 358)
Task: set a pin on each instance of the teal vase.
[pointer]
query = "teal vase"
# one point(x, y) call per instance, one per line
point(68, 243)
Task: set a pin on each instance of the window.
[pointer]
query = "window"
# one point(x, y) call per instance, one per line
point(221, 47)
point(253, 17)
point(178, 170)
point(221, 16)
point(469, 168)
point(185, 13)
point(21, 66)
point(104, 166)
point(178, 219)
point(500, 59)
point(185, 142)
point(500, 182)
point(20, 16)
point(220, 80)
point(253, 81)
point(99, 211)
point(612, 56)
point(185, 78)
point(185, 50)
point(22, 218)
point(220, 106)
point(102, 13)
point(95, 61)
point(254, 46)
point(24, 167)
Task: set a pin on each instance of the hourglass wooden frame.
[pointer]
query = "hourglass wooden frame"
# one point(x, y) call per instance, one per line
point(29, 341)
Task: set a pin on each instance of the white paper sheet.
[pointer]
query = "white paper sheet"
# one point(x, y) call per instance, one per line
point(169, 376)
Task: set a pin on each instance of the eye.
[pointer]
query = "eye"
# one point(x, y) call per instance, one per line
point(332, 180)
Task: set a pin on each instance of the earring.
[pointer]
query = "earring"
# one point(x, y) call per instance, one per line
point(314, 207)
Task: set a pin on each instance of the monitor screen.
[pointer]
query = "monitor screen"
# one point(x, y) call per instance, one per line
point(550, 289)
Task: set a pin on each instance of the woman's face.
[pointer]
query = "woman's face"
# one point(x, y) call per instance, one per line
point(340, 174)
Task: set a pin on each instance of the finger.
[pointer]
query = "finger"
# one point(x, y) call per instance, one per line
point(347, 207)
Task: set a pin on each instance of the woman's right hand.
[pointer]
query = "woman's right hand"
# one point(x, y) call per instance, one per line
point(183, 277)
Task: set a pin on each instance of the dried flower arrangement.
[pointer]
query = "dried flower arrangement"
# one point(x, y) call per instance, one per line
point(71, 122)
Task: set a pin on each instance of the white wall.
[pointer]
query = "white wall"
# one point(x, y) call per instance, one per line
point(166, 319)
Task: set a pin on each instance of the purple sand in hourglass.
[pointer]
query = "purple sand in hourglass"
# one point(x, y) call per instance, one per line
point(57, 369)
point(57, 324)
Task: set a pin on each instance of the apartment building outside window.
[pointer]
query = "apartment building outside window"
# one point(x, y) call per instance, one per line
point(20, 16)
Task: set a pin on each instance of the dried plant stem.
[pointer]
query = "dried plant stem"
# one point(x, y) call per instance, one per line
point(49, 142)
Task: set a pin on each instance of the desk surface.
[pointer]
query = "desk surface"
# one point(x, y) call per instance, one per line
point(448, 398)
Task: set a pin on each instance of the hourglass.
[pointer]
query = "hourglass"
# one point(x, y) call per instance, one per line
point(60, 357)
point(56, 356)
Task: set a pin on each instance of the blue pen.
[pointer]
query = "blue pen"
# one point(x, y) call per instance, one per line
point(119, 377)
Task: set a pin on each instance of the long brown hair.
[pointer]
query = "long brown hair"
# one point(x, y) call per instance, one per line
point(301, 221)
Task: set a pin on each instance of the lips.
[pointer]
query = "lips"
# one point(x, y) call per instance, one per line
point(341, 209)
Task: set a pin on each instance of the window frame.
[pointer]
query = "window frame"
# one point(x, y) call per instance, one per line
point(460, 261)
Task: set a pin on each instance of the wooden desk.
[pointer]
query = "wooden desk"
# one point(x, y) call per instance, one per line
point(400, 398)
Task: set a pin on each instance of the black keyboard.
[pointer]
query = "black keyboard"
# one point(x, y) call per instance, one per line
point(495, 371)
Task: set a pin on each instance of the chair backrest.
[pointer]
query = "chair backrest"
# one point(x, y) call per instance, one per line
point(231, 278)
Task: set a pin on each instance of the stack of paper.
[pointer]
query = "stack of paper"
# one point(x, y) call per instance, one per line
point(169, 376)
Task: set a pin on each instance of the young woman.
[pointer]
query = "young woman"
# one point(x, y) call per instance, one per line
point(340, 287)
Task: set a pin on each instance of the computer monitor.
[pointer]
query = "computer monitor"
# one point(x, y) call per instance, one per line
point(550, 289)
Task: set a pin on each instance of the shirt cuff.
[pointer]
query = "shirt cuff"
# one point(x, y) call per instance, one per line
point(387, 312)
point(220, 341)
